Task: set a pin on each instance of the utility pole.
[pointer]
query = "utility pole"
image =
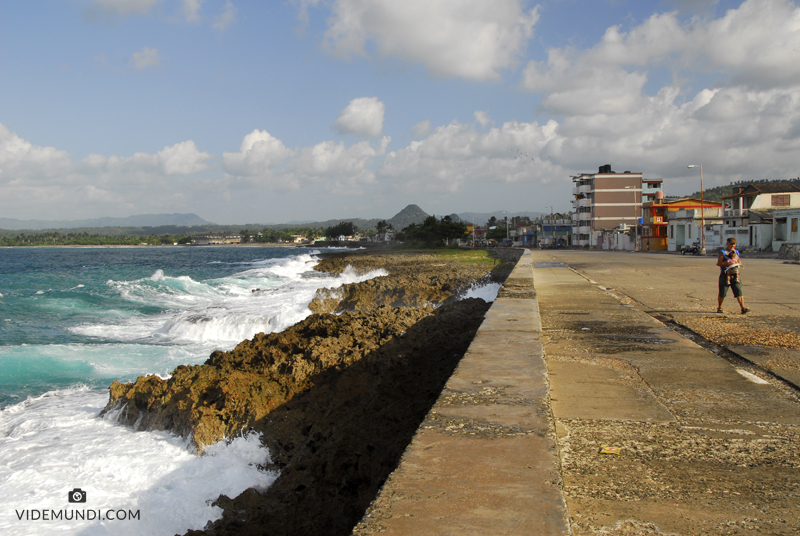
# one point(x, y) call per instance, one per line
point(473, 230)
point(702, 210)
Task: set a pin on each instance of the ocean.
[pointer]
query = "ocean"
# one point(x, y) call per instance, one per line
point(72, 320)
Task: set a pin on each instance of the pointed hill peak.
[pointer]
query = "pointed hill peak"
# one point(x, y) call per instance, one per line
point(407, 216)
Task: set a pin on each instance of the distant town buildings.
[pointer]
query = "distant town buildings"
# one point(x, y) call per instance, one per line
point(759, 215)
point(668, 225)
point(215, 239)
point(607, 202)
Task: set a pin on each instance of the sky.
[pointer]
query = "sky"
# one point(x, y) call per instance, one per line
point(277, 111)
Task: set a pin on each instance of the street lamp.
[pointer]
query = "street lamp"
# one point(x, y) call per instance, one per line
point(702, 210)
point(506, 213)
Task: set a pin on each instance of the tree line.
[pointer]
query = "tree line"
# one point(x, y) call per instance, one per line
point(86, 239)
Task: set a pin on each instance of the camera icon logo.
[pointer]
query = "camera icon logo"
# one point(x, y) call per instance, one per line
point(77, 495)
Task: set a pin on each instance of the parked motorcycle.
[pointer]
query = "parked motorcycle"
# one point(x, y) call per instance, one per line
point(694, 248)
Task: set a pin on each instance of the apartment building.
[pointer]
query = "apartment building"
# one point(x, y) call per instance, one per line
point(608, 201)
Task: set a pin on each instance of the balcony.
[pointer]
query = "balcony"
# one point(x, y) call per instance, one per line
point(585, 189)
point(584, 202)
point(736, 212)
point(584, 229)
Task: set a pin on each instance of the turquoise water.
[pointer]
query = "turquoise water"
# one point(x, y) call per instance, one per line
point(72, 320)
point(92, 315)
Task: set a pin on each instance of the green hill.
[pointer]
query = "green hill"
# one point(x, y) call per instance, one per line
point(407, 216)
point(718, 192)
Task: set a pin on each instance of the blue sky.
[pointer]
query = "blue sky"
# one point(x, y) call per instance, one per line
point(257, 112)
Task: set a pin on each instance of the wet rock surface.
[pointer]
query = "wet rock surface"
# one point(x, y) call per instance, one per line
point(336, 397)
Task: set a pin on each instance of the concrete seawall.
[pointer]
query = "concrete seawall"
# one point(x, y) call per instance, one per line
point(484, 460)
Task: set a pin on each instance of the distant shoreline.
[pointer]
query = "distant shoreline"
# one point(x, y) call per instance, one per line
point(260, 245)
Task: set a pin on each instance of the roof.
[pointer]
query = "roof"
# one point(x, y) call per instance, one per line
point(691, 202)
point(766, 188)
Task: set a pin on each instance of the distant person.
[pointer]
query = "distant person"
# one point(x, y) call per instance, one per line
point(729, 262)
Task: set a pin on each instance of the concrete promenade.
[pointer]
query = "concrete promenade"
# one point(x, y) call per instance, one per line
point(485, 460)
point(584, 407)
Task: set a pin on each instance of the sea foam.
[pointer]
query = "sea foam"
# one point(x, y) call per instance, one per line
point(54, 443)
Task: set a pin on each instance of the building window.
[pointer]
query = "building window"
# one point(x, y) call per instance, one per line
point(794, 225)
point(781, 200)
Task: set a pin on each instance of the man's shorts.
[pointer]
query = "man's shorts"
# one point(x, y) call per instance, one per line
point(736, 285)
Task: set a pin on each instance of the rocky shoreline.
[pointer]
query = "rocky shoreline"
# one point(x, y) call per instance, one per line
point(336, 397)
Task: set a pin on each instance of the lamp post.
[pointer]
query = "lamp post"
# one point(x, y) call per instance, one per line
point(506, 213)
point(702, 210)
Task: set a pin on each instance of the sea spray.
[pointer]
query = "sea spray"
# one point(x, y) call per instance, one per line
point(118, 314)
point(115, 466)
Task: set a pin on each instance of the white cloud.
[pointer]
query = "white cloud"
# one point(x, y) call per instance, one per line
point(756, 45)
point(338, 168)
point(471, 39)
point(264, 161)
point(581, 86)
point(147, 57)
point(421, 129)
point(363, 117)
point(258, 153)
point(45, 182)
point(191, 10)
point(182, 159)
point(457, 155)
point(482, 118)
point(20, 159)
point(743, 128)
point(226, 18)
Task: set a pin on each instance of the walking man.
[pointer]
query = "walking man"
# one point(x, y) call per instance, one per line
point(728, 257)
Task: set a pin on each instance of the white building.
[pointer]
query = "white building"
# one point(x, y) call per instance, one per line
point(686, 227)
point(750, 214)
point(786, 232)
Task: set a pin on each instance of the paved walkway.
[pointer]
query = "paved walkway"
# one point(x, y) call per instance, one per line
point(706, 446)
point(577, 411)
point(484, 461)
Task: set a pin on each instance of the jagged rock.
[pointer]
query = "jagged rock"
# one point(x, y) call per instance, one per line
point(414, 280)
point(235, 390)
point(336, 397)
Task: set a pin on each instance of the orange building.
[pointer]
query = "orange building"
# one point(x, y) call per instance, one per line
point(656, 219)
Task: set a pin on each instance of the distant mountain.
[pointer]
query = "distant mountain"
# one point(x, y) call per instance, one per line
point(142, 220)
point(404, 218)
point(407, 216)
